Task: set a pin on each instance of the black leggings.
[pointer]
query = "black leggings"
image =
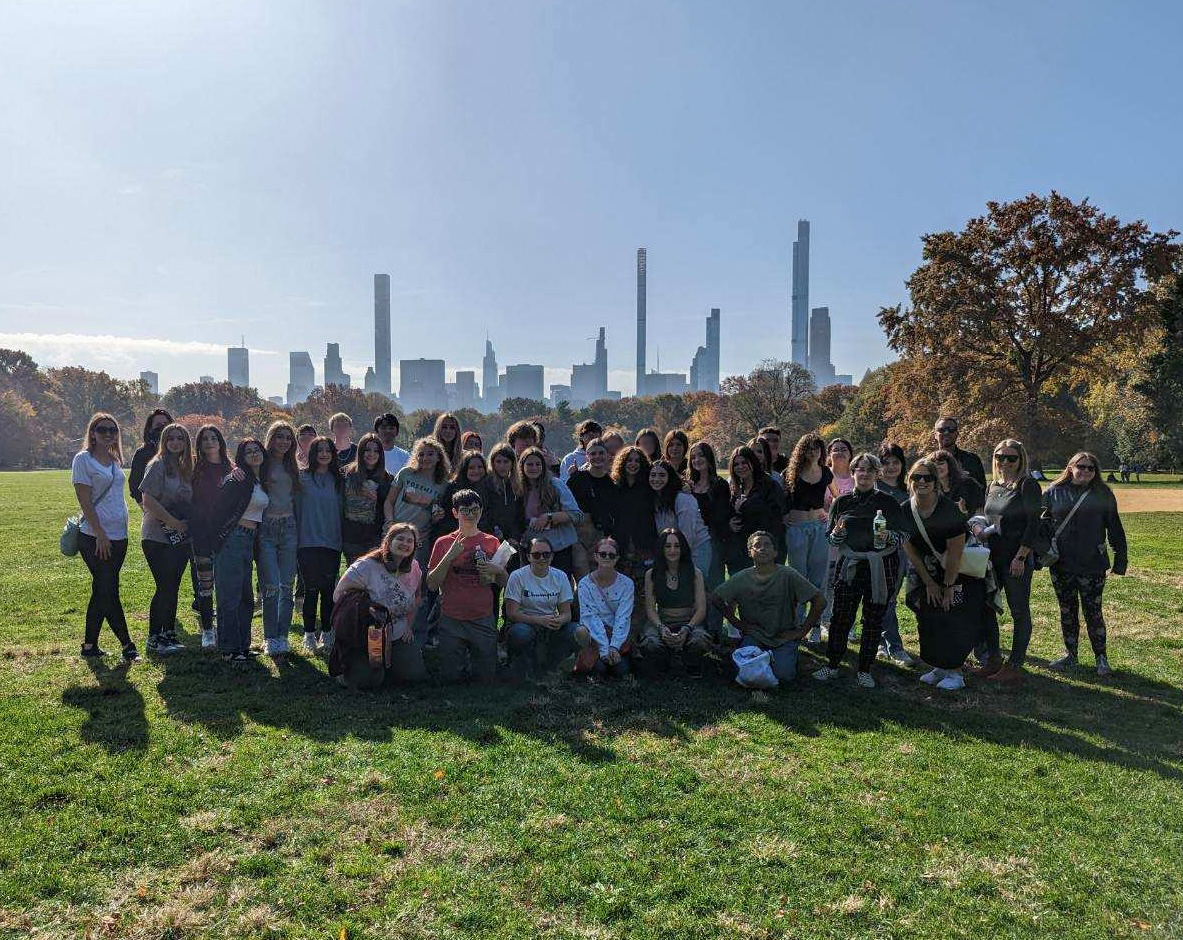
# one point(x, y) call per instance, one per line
point(104, 590)
point(319, 567)
point(167, 564)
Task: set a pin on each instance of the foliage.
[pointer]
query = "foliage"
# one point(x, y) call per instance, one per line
point(362, 406)
point(1161, 383)
point(864, 421)
point(775, 392)
point(215, 398)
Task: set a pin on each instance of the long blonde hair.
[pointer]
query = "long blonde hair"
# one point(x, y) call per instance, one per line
point(176, 466)
point(1013, 445)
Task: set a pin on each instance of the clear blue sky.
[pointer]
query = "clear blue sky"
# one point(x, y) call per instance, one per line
point(189, 172)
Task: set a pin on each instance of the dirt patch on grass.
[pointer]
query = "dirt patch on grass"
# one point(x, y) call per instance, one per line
point(1149, 498)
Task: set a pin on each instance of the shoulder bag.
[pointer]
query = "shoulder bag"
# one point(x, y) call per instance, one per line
point(975, 559)
point(1050, 555)
point(69, 541)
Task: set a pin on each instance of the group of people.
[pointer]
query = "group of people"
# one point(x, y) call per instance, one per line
point(617, 556)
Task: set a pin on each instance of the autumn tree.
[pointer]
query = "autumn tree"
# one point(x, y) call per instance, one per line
point(1007, 308)
point(1161, 382)
point(775, 392)
point(211, 398)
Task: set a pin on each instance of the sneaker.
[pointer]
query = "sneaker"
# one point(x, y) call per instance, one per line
point(952, 682)
point(93, 652)
point(1008, 675)
point(209, 639)
point(864, 680)
point(900, 657)
point(933, 677)
point(815, 637)
point(309, 643)
point(240, 657)
point(326, 640)
point(1064, 662)
point(1103, 667)
point(825, 674)
point(172, 644)
point(156, 645)
point(131, 654)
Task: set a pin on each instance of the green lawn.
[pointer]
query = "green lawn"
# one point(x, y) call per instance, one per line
point(191, 799)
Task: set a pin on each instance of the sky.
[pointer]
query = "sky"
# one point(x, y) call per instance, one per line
point(178, 176)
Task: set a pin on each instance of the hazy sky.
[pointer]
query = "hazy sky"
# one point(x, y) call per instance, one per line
point(175, 175)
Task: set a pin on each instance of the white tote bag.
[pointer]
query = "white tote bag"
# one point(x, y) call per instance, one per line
point(754, 668)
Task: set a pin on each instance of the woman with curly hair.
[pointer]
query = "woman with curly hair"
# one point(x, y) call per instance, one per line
point(807, 479)
point(633, 524)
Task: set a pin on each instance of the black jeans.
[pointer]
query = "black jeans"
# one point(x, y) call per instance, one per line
point(319, 566)
point(104, 590)
point(167, 564)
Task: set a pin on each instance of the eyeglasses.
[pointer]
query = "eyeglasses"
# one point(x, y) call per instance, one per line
point(923, 478)
point(1007, 458)
point(469, 510)
point(1086, 466)
point(541, 555)
point(106, 429)
point(607, 556)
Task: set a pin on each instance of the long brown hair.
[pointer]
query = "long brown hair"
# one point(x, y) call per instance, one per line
point(443, 468)
point(176, 466)
point(1066, 475)
point(88, 439)
point(381, 554)
point(620, 477)
point(289, 459)
point(494, 481)
point(452, 450)
point(548, 495)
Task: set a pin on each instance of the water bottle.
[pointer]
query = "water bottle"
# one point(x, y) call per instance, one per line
point(879, 527)
point(479, 557)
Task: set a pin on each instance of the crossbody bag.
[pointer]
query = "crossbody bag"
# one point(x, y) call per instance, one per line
point(975, 559)
point(69, 540)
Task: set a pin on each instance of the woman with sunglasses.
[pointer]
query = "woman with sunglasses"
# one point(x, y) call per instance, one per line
point(1079, 500)
point(949, 606)
point(605, 615)
point(211, 465)
point(956, 485)
point(166, 490)
point(1013, 506)
point(97, 475)
point(157, 421)
point(538, 612)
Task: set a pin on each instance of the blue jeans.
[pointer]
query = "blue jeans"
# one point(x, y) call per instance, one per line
point(891, 641)
point(524, 640)
point(277, 571)
point(808, 553)
point(784, 657)
point(232, 587)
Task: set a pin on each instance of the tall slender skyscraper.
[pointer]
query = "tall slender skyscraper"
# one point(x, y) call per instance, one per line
point(800, 323)
point(641, 260)
point(382, 333)
point(490, 391)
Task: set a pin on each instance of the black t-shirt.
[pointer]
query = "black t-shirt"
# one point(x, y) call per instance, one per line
point(946, 522)
point(595, 496)
point(810, 496)
point(347, 456)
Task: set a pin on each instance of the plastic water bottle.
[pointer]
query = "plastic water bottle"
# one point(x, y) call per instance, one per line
point(879, 527)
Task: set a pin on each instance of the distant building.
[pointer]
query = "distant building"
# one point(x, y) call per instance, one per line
point(153, 381)
point(559, 393)
point(523, 381)
point(800, 314)
point(206, 379)
point(491, 394)
point(819, 347)
point(334, 374)
point(462, 392)
point(666, 383)
point(421, 384)
point(381, 381)
point(276, 400)
point(642, 288)
point(589, 382)
point(301, 377)
point(704, 368)
point(238, 366)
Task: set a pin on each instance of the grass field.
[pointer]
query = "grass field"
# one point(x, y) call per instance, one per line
point(188, 799)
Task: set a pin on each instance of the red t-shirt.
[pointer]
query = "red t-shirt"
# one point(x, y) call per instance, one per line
point(462, 596)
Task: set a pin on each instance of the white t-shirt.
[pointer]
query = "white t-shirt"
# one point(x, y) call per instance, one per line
point(393, 590)
point(112, 507)
point(538, 597)
point(396, 458)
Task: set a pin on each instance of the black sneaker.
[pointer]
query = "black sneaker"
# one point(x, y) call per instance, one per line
point(131, 654)
point(93, 652)
point(240, 658)
point(156, 645)
point(172, 644)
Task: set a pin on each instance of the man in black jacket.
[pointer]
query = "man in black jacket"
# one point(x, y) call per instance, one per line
point(945, 431)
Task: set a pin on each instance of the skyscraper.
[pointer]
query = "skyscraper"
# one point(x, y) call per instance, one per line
point(153, 381)
point(524, 381)
point(589, 381)
point(334, 374)
point(238, 366)
point(490, 392)
point(382, 333)
point(800, 322)
point(641, 287)
point(704, 368)
point(301, 377)
point(421, 384)
point(819, 347)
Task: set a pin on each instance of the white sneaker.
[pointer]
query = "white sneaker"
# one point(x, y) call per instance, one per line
point(865, 680)
point(1064, 662)
point(326, 640)
point(271, 646)
point(952, 682)
point(933, 677)
point(209, 639)
point(310, 641)
point(1103, 667)
point(825, 674)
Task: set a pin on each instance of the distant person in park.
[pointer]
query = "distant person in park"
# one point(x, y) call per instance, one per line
point(838, 456)
point(470, 473)
point(606, 599)
point(365, 485)
point(462, 571)
point(956, 485)
point(471, 440)
point(520, 435)
point(675, 629)
point(780, 462)
point(318, 504)
point(945, 432)
point(949, 606)
point(633, 529)
point(234, 522)
point(650, 442)
point(153, 426)
point(447, 432)
point(807, 479)
point(892, 481)
point(768, 596)
point(713, 496)
point(211, 466)
point(595, 492)
point(97, 475)
point(674, 508)
point(675, 448)
point(551, 510)
point(1087, 511)
point(868, 565)
point(585, 432)
point(391, 577)
point(1013, 506)
point(757, 505)
point(305, 435)
point(278, 537)
point(341, 429)
point(166, 490)
point(538, 602)
point(394, 458)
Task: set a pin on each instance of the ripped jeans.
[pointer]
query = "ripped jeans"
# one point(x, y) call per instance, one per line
point(277, 571)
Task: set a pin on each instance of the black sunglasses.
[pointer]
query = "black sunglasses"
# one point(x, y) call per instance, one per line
point(1007, 458)
point(106, 429)
point(606, 555)
point(923, 478)
point(541, 555)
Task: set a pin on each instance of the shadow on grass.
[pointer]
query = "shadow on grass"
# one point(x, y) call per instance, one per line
point(1119, 722)
point(115, 717)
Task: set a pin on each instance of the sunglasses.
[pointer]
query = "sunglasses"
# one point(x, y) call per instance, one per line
point(923, 478)
point(541, 555)
point(106, 429)
point(1086, 466)
point(606, 555)
point(1007, 458)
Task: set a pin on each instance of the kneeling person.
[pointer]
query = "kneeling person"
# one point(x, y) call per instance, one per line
point(461, 571)
point(768, 595)
point(675, 609)
point(538, 611)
